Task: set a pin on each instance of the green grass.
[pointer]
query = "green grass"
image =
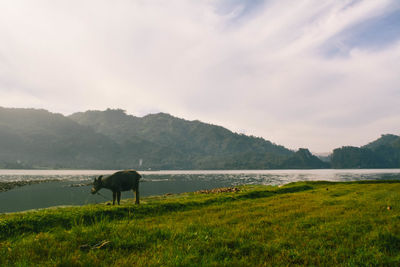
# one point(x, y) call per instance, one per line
point(307, 223)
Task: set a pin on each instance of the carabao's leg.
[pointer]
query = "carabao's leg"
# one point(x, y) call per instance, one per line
point(137, 196)
point(114, 195)
point(118, 196)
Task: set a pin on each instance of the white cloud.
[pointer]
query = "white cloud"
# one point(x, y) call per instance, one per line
point(263, 72)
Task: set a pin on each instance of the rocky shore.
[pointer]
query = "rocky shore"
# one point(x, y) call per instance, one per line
point(218, 190)
point(5, 186)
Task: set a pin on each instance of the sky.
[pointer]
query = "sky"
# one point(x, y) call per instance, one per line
point(305, 73)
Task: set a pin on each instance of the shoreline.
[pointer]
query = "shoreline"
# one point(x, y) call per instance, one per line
point(6, 186)
point(20, 192)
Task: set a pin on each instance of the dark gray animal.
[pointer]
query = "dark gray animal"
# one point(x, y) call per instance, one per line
point(120, 181)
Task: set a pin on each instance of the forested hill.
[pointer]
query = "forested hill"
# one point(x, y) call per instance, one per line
point(381, 153)
point(184, 144)
point(111, 139)
point(189, 137)
point(31, 138)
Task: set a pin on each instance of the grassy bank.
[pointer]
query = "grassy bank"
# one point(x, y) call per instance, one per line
point(308, 223)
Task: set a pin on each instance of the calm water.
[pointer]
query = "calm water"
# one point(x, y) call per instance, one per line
point(69, 187)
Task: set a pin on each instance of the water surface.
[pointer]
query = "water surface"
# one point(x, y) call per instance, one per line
point(71, 187)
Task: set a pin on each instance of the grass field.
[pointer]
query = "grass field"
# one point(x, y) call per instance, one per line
point(306, 223)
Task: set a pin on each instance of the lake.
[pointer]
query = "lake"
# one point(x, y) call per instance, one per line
point(71, 187)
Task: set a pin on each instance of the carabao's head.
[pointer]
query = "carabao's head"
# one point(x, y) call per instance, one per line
point(97, 184)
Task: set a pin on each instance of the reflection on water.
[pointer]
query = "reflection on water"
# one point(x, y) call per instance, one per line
point(70, 187)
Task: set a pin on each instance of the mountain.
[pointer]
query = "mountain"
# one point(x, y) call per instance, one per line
point(381, 153)
point(389, 140)
point(324, 156)
point(111, 139)
point(189, 144)
point(304, 159)
point(32, 138)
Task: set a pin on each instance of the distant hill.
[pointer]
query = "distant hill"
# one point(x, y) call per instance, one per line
point(163, 129)
point(381, 153)
point(389, 140)
point(303, 157)
point(111, 139)
point(32, 138)
point(186, 144)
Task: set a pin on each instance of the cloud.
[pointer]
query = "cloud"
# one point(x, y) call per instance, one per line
point(301, 73)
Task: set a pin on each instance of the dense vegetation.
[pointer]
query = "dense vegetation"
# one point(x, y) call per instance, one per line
point(38, 138)
point(112, 139)
point(302, 158)
point(170, 142)
point(308, 223)
point(382, 153)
